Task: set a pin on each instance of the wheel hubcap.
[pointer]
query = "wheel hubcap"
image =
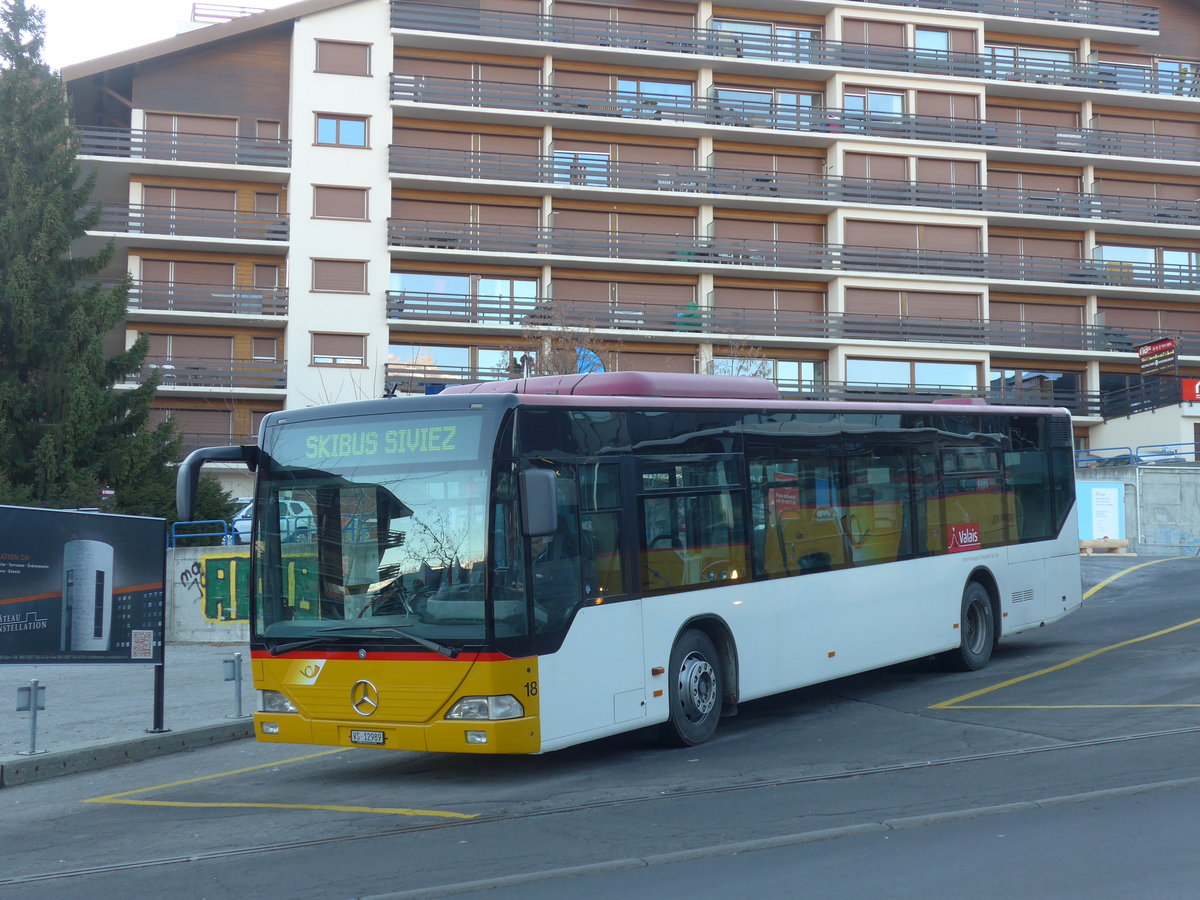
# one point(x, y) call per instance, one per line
point(975, 628)
point(697, 687)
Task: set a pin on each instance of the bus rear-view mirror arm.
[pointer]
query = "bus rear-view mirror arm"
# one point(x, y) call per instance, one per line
point(189, 473)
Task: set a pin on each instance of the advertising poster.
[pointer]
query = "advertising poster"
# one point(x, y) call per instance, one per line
point(80, 587)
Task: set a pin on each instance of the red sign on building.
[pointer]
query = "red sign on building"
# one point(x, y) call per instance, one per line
point(1191, 390)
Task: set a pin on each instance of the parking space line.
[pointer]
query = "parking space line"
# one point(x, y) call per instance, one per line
point(960, 702)
point(122, 798)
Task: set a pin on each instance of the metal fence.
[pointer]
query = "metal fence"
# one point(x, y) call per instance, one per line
point(568, 171)
point(824, 120)
point(432, 16)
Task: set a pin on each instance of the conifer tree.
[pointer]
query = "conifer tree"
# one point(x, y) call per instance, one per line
point(66, 432)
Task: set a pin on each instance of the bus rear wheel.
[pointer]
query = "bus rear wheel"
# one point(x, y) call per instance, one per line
point(694, 691)
point(977, 623)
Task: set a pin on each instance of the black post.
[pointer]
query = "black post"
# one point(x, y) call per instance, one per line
point(160, 679)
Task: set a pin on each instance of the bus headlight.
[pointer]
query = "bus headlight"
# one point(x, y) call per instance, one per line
point(275, 702)
point(503, 707)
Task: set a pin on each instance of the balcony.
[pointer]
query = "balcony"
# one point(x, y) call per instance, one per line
point(791, 50)
point(719, 323)
point(828, 122)
point(830, 259)
point(238, 300)
point(135, 218)
point(183, 372)
point(128, 143)
point(1079, 403)
point(429, 379)
point(434, 17)
point(830, 189)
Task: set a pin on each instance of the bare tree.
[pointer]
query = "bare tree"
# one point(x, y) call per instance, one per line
point(553, 343)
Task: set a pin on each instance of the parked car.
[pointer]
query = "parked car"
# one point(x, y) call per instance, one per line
point(296, 522)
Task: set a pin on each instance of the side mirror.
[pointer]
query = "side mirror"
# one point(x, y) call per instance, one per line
point(539, 502)
point(189, 473)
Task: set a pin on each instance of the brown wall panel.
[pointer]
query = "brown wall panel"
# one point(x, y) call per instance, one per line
point(245, 77)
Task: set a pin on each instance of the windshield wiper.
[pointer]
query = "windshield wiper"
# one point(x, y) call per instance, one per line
point(345, 631)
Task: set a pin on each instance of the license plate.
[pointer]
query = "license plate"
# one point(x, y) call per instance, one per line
point(358, 736)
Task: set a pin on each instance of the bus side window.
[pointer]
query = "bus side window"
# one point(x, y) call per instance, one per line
point(600, 505)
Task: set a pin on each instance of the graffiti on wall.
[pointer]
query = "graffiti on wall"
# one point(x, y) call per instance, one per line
point(219, 583)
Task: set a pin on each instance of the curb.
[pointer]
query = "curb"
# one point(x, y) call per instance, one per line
point(28, 769)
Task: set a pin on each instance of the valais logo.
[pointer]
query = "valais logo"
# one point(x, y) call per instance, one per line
point(962, 537)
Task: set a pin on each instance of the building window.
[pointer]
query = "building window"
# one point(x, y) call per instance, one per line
point(643, 98)
point(335, 130)
point(870, 102)
point(339, 349)
point(265, 348)
point(788, 374)
point(343, 58)
point(765, 40)
point(932, 42)
point(268, 129)
point(580, 168)
point(911, 373)
point(1035, 385)
point(340, 276)
point(340, 203)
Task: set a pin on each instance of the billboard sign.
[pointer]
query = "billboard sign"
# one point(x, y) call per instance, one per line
point(1157, 357)
point(80, 587)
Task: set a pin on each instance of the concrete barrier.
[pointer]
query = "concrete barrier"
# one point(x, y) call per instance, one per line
point(208, 599)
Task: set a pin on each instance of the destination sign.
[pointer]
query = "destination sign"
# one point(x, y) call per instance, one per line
point(377, 440)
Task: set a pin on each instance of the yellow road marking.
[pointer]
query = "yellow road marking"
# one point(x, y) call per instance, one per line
point(384, 811)
point(120, 798)
point(955, 703)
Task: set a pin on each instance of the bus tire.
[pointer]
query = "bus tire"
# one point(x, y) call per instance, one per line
point(977, 622)
point(694, 691)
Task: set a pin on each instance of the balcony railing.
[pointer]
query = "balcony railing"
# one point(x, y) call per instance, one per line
point(717, 321)
point(189, 372)
point(550, 170)
point(241, 300)
point(821, 257)
point(425, 16)
point(831, 121)
point(417, 379)
point(788, 49)
point(136, 218)
point(127, 143)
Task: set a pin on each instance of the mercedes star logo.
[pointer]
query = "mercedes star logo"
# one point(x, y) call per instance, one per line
point(364, 697)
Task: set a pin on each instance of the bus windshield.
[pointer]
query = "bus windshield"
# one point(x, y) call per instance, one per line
point(373, 528)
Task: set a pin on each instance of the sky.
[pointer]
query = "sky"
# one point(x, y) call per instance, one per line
point(79, 30)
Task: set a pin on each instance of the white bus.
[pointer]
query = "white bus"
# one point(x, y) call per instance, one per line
point(520, 566)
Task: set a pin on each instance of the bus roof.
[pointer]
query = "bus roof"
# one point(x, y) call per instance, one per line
point(668, 389)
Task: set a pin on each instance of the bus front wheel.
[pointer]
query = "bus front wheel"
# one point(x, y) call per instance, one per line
point(977, 623)
point(695, 689)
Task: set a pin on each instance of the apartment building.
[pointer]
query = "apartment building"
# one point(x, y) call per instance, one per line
point(342, 198)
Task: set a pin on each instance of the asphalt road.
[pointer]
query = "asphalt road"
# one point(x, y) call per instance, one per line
point(1069, 767)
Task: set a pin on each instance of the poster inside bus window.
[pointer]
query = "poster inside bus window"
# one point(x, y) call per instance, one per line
point(80, 587)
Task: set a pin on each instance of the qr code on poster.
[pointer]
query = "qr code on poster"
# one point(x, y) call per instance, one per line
point(141, 644)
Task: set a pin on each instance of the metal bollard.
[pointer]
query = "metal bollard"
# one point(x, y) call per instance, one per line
point(31, 699)
point(233, 672)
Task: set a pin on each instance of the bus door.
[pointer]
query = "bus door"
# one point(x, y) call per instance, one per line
point(587, 628)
